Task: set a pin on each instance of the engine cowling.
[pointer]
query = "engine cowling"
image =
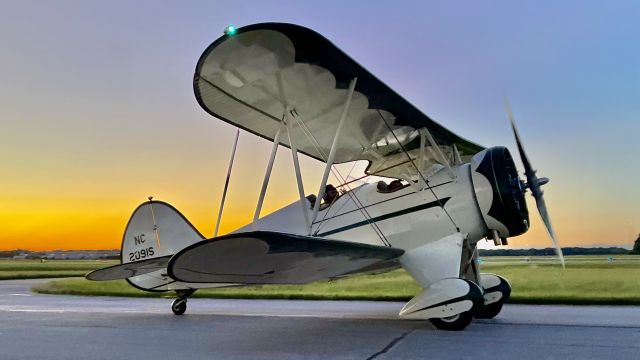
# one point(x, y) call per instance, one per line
point(500, 192)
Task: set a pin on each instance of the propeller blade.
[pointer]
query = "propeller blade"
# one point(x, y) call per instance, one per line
point(528, 170)
point(544, 214)
point(534, 184)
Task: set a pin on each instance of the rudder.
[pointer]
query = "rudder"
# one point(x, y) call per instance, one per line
point(154, 233)
point(156, 229)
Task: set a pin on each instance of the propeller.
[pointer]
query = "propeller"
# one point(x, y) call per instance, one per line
point(535, 183)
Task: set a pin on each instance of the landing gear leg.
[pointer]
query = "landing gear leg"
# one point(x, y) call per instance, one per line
point(448, 299)
point(496, 289)
point(179, 305)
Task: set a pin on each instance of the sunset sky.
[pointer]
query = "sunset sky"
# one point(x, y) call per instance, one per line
point(97, 110)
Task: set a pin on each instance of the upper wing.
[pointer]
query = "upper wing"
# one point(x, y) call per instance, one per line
point(251, 78)
point(263, 257)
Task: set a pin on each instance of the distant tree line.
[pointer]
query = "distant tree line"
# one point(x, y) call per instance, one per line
point(636, 246)
point(552, 252)
point(72, 254)
point(482, 252)
point(11, 253)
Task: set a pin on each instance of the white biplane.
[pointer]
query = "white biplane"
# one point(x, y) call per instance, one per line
point(291, 86)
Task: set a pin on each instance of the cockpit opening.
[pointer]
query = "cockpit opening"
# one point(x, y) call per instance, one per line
point(393, 186)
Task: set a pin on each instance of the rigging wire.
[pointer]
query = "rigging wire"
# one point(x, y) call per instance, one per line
point(334, 170)
point(337, 174)
point(326, 213)
point(366, 214)
point(375, 173)
point(336, 213)
point(419, 173)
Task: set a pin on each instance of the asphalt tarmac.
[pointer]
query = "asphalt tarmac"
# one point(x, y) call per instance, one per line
point(43, 327)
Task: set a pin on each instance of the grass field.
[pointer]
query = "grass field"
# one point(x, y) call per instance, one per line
point(535, 280)
point(34, 269)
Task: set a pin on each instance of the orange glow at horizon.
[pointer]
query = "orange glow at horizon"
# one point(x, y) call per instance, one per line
point(33, 219)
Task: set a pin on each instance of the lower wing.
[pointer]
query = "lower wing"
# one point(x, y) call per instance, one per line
point(264, 257)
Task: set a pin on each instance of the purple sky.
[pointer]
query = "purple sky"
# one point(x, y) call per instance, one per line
point(97, 106)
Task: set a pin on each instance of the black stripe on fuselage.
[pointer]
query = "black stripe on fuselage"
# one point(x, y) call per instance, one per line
point(440, 202)
point(370, 205)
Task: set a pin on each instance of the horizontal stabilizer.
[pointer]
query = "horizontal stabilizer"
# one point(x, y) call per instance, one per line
point(264, 257)
point(124, 271)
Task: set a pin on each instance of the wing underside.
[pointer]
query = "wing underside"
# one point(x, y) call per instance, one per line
point(270, 73)
point(128, 270)
point(263, 257)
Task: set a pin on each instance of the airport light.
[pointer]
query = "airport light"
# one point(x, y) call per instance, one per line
point(230, 30)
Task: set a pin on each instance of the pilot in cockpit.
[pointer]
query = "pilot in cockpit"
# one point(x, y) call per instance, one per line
point(330, 194)
point(395, 185)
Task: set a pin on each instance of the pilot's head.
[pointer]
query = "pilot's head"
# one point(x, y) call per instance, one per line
point(330, 193)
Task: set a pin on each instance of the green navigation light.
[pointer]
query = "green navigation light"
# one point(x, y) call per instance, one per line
point(230, 30)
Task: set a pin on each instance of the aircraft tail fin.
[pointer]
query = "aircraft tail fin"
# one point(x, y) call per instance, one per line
point(155, 232)
point(156, 229)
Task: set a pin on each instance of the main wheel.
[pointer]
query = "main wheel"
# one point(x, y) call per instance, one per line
point(179, 306)
point(489, 311)
point(453, 323)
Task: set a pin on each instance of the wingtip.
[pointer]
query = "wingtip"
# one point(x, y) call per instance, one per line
point(87, 276)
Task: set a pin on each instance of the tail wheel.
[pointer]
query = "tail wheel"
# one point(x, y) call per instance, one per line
point(453, 323)
point(179, 306)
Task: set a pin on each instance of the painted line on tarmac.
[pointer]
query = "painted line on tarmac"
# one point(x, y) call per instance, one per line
point(220, 313)
point(533, 323)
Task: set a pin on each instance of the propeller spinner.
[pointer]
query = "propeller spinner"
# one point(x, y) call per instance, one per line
point(535, 183)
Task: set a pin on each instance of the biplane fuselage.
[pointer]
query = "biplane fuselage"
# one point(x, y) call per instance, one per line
point(409, 217)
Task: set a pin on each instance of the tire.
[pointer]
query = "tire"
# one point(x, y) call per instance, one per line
point(179, 306)
point(489, 311)
point(454, 323)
